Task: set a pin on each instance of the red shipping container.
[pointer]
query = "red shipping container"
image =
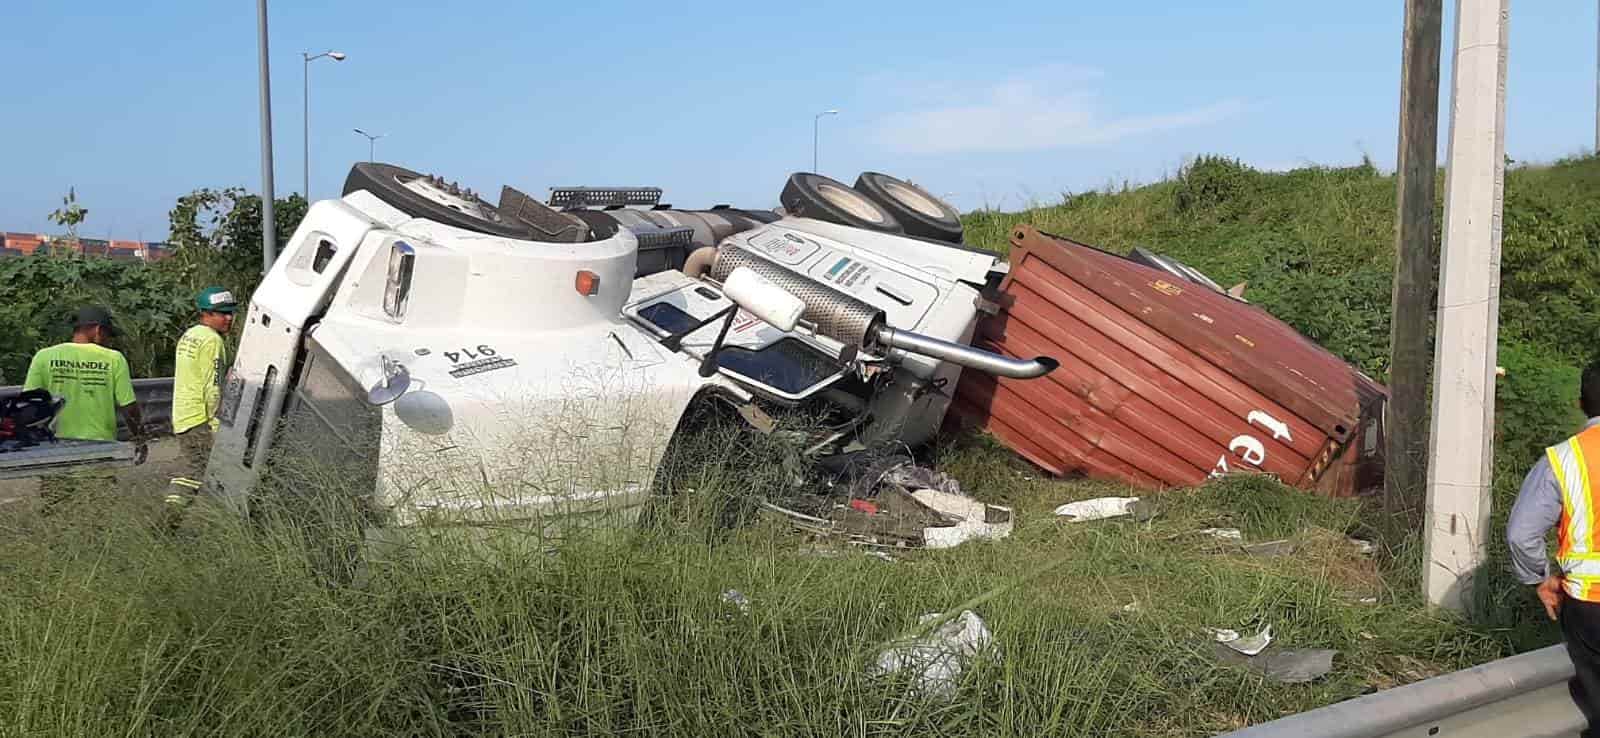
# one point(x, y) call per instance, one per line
point(1165, 382)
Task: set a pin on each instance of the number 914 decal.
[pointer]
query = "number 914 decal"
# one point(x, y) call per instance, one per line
point(465, 362)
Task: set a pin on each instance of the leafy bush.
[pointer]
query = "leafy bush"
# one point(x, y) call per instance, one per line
point(216, 237)
point(1214, 182)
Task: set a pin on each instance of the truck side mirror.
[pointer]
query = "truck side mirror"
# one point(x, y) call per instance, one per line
point(394, 383)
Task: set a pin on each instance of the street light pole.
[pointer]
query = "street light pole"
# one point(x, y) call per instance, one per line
point(371, 141)
point(269, 239)
point(306, 101)
point(815, 122)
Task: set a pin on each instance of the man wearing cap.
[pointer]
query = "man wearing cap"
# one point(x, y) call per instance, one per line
point(197, 386)
point(95, 383)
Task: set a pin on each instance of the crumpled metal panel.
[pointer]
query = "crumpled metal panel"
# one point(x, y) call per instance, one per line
point(1163, 382)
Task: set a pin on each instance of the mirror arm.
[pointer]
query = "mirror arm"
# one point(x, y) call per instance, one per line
point(675, 341)
point(708, 365)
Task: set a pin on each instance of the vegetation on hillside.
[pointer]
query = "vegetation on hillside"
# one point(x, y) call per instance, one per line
point(234, 628)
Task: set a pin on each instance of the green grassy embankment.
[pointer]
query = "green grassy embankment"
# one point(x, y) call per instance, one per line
point(112, 626)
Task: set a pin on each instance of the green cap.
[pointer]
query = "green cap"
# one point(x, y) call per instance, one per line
point(216, 300)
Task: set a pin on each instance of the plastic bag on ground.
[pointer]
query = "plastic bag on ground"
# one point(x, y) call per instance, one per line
point(938, 658)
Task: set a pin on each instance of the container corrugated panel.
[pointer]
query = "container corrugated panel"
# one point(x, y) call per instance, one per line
point(1164, 382)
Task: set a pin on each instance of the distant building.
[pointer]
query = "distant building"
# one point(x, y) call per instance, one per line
point(13, 243)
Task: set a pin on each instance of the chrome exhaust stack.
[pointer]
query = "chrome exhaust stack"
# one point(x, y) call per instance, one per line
point(966, 356)
point(851, 321)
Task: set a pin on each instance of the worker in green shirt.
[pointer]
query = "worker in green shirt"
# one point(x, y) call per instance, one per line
point(197, 387)
point(94, 381)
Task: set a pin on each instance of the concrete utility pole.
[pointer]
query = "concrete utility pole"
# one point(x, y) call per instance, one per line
point(1417, 167)
point(269, 236)
point(1461, 450)
point(1597, 83)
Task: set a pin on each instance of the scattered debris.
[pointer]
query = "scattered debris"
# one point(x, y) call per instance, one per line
point(974, 519)
point(881, 510)
point(1271, 548)
point(912, 476)
point(1249, 646)
point(882, 556)
point(1132, 608)
point(1363, 547)
point(1368, 600)
point(737, 599)
point(939, 657)
point(1285, 666)
point(1224, 534)
point(1098, 508)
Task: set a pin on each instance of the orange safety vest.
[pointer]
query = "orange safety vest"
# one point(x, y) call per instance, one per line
point(1576, 463)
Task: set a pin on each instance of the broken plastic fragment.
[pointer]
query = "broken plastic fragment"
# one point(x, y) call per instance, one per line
point(1247, 645)
point(939, 657)
point(1285, 666)
point(974, 519)
point(1224, 534)
point(1365, 548)
point(1098, 508)
point(737, 599)
point(1271, 548)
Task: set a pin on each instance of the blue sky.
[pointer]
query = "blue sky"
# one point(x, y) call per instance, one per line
point(989, 103)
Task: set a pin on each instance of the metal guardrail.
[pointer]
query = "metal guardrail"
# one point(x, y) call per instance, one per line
point(1524, 696)
point(155, 402)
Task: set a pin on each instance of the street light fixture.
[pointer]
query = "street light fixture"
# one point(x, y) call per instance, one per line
point(371, 141)
point(337, 56)
point(815, 121)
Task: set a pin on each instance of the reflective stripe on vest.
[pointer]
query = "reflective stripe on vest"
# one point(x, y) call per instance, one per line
point(1577, 547)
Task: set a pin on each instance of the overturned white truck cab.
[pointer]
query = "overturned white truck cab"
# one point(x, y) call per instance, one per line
point(461, 362)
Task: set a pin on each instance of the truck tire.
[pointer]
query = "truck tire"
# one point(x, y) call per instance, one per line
point(809, 195)
point(417, 196)
point(919, 212)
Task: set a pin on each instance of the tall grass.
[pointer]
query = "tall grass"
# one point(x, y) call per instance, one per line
point(113, 625)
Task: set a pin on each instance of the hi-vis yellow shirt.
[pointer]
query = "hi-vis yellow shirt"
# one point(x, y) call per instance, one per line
point(94, 381)
point(197, 379)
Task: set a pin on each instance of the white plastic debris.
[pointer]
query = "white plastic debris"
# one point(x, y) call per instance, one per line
point(881, 555)
point(1365, 548)
point(737, 599)
point(938, 658)
point(1098, 508)
point(1132, 608)
point(1247, 645)
point(977, 520)
point(1224, 534)
point(1282, 547)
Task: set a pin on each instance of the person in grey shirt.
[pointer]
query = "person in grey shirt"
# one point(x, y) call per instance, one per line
point(1540, 507)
